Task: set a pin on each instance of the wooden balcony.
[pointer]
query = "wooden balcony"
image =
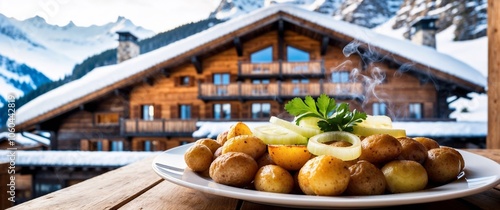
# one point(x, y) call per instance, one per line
point(279, 91)
point(159, 127)
point(281, 69)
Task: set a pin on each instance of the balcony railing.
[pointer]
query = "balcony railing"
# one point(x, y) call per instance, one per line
point(163, 127)
point(282, 69)
point(278, 90)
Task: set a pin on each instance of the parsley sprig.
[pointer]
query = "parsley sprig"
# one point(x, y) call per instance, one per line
point(333, 116)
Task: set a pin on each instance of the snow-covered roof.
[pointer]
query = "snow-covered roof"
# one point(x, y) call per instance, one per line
point(74, 158)
point(18, 139)
point(105, 76)
point(413, 129)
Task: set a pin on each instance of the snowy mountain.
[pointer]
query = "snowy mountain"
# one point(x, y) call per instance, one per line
point(51, 51)
point(368, 13)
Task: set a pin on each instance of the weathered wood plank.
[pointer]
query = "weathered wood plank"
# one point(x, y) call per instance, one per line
point(161, 197)
point(493, 139)
point(108, 191)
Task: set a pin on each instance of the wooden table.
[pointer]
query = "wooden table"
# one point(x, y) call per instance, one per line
point(137, 186)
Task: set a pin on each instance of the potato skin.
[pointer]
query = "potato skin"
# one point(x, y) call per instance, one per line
point(324, 175)
point(273, 178)
point(404, 176)
point(234, 169)
point(198, 157)
point(380, 148)
point(412, 150)
point(213, 145)
point(222, 138)
point(366, 179)
point(427, 142)
point(238, 129)
point(290, 157)
point(248, 144)
point(442, 165)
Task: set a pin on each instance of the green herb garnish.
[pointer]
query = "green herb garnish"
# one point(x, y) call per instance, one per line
point(333, 116)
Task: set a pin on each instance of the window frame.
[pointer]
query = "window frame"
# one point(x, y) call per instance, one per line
point(222, 115)
point(420, 113)
point(98, 119)
point(260, 114)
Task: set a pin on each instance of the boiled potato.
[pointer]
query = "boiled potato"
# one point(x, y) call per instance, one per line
point(250, 145)
point(265, 160)
point(427, 142)
point(412, 150)
point(234, 169)
point(442, 165)
point(238, 129)
point(213, 145)
point(273, 178)
point(462, 161)
point(404, 176)
point(290, 157)
point(222, 137)
point(380, 148)
point(198, 157)
point(324, 175)
point(366, 179)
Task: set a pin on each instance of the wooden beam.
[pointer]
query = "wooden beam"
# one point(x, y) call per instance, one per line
point(197, 64)
point(165, 72)
point(238, 46)
point(281, 39)
point(148, 80)
point(493, 138)
point(324, 45)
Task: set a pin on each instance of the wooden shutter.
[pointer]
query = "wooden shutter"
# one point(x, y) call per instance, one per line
point(246, 110)
point(157, 114)
point(235, 110)
point(209, 112)
point(84, 145)
point(174, 111)
point(195, 111)
point(275, 109)
point(105, 145)
point(136, 112)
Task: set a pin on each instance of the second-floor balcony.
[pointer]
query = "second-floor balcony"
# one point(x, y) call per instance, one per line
point(281, 69)
point(157, 127)
point(279, 90)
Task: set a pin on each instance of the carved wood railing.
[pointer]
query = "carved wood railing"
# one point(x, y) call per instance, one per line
point(279, 89)
point(281, 68)
point(131, 127)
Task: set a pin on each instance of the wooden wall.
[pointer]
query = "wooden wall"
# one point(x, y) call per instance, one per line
point(81, 124)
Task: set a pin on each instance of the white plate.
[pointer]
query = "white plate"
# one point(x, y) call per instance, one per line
point(480, 174)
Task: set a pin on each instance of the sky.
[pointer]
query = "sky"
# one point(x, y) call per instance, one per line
point(156, 15)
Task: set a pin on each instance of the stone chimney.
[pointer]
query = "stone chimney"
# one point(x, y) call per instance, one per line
point(423, 31)
point(127, 46)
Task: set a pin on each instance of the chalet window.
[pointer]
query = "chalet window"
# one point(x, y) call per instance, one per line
point(300, 86)
point(150, 145)
point(340, 77)
point(261, 110)
point(185, 81)
point(117, 146)
point(221, 81)
point(415, 111)
point(296, 55)
point(109, 118)
point(262, 56)
point(379, 109)
point(148, 112)
point(96, 146)
point(222, 111)
point(185, 111)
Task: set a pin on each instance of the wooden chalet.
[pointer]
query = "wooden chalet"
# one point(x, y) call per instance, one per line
point(246, 69)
